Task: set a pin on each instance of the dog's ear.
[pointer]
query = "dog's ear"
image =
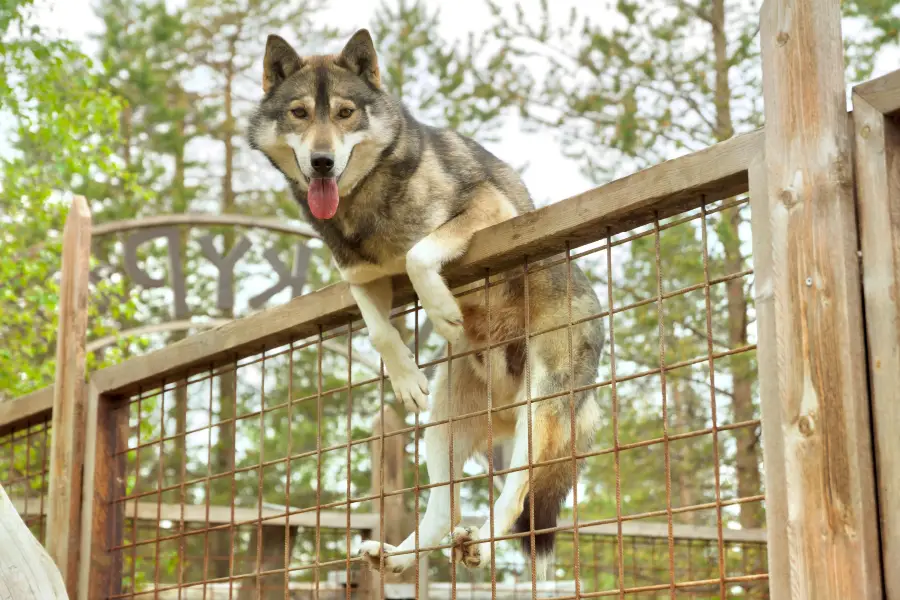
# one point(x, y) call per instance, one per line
point(359, 56)
point(280, 62)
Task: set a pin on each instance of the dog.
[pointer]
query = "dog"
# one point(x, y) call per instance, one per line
point(389, 195)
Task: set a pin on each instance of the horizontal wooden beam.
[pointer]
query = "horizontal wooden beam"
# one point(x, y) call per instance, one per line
point(32, 408)
point(335, 519)
point(882, 93)
point(221, 514)
point(671, 187)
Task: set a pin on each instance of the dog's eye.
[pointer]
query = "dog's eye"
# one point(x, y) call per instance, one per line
point(345, 113)
point(299, 112)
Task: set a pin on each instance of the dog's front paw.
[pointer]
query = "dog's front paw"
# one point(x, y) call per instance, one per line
point(409, 383)
point(375, 552)
point(470, 554)
point(446, 318)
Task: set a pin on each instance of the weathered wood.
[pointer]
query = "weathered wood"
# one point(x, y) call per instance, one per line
point(773, 444)
point(30, 408)
point(679, 184)
point(67, 440)
point(882, 93)
point(104, 480)
point(26, 570)
point(878, 202)
point(830, 531)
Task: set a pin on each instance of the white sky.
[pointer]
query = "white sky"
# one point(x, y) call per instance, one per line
point(550, 176)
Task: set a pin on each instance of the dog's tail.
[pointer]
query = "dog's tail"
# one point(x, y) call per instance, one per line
point(552, 484)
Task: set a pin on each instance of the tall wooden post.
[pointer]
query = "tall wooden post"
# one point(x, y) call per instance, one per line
point(878, 199)
point(67, 442)
point(819, 470)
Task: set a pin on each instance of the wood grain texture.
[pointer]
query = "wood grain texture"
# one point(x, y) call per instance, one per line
point(67, 440)
point(35, 407)
point(680, 184)
point(878, 201)
point(831, 526)
point(881, 93)
point(104, 480)
point(773, 446)
point(26, 570)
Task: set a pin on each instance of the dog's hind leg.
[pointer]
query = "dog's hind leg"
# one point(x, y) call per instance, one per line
point(437, 520)
point(446, 243)
point(374, 302)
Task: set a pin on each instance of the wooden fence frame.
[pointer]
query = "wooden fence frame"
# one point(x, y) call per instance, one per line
point(828, 317)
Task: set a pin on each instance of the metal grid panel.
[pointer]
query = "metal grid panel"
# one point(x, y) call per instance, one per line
point(24, 472)
point(266, 466)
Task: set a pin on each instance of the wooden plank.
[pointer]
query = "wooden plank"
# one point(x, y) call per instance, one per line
point(104, 479)
point(26, 570)
point(882, 93)
point(274, 517)
point(773, 445)
point(67, 440)
point(878, 201)
point(830, 534)
point(35, 407)
point(717, 172)
point(220, 515)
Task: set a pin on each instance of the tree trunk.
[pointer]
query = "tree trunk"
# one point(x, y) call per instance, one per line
point(747, 463)
point(270, 587)
point(224, 452)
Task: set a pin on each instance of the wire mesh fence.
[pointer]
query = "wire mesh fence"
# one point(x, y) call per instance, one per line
point(24, 472)
point(263, 477)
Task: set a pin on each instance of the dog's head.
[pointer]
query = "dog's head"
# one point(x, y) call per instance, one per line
point(324, 120)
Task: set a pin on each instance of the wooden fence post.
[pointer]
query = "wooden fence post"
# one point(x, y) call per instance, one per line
point(820, 464)
point(67, 442)
point(878, 201)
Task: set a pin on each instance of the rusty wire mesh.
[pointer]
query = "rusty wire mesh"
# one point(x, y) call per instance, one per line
point(24, 472)
point(255, 480)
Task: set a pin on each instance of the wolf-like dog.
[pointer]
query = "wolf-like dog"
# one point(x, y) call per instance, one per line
point(389, 194)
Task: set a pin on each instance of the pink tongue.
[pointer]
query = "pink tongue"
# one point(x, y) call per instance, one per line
point(323, 197)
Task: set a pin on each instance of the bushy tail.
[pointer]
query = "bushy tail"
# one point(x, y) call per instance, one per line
point(550, 491)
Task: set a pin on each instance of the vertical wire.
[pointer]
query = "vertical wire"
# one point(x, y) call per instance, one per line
point(259, 491)
point(319, 426)
point(615, 411)
point(530, 432)
point(416, 455)
point(137, 478)
point(712, 394)
point(347, 586)
point(490, 430)
point(208, 480)
point(665, 413)
point(573, 434)
point(181, 524)
point(159, 485)
point(287, 470)
point(232, 526)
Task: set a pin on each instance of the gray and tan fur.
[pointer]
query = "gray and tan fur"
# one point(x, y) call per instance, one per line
point(411, 197)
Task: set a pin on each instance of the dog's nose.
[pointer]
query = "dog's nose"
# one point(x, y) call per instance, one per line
point(322, 162)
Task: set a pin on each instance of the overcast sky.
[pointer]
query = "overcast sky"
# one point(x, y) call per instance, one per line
point(550, 176)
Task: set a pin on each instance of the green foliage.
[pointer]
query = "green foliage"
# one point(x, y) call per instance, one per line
point(63, 124)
